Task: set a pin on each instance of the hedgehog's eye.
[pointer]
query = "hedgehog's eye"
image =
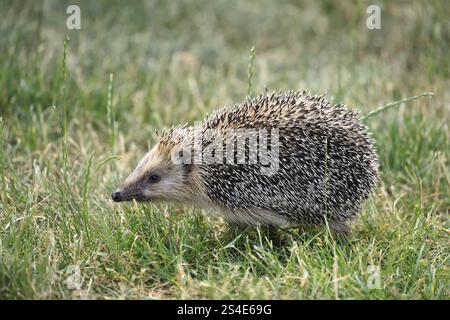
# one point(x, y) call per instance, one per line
point(153, 178)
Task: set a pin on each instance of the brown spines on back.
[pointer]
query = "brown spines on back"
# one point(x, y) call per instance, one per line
point(310, 127)
point(289, 109)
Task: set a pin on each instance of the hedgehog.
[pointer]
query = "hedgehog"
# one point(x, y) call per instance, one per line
point(285, 159)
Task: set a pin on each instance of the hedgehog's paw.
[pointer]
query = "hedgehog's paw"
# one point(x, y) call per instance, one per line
point(340, 229)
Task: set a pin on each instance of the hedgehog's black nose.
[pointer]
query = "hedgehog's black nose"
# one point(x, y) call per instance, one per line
point(116, 196)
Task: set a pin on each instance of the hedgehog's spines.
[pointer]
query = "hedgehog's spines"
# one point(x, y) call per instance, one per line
point(295, 193)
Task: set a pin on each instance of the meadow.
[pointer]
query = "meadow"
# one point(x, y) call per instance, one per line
point(78, 109)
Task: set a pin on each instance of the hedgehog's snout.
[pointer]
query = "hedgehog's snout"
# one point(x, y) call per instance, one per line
point(116, 196)
point(127, 193)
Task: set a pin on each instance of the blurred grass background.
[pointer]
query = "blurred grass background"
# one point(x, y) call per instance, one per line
point(174, 62)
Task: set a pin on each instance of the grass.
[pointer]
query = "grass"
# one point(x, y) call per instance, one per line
point(77, 115)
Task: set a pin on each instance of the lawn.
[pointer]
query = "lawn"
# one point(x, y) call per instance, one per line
point(79, 109)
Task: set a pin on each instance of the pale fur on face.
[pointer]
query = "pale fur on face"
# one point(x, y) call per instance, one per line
point(172, 183)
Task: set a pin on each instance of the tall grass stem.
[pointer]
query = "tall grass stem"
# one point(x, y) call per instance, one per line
point(250, 70)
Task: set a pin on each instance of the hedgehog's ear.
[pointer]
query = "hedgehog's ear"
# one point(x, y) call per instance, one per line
point(187, 168)
point(182, 157)
point(187, 160)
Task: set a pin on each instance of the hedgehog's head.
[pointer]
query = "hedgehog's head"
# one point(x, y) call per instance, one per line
point(163, 174)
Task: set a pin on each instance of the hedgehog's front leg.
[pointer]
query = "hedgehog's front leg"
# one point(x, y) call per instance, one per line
point(340, 228)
